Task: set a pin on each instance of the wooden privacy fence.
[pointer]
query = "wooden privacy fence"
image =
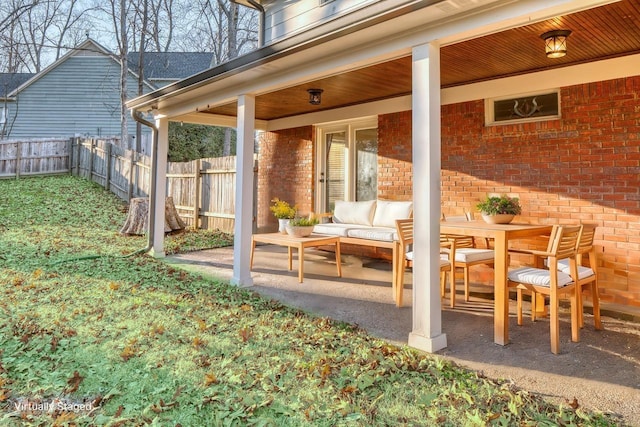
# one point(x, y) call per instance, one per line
point(203, 190)
point(35, 157)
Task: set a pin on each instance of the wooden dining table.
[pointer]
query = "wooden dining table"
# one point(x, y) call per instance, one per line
point(502, 234)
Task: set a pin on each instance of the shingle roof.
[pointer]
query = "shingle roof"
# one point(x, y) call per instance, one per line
point(10, 81)
point(171, 65)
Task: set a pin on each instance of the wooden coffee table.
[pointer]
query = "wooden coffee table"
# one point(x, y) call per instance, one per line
point(300, 243)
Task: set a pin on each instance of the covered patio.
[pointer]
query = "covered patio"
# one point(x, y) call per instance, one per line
point(427, 73)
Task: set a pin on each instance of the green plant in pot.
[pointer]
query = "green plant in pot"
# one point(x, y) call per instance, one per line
point(301, 226)
point(499, 209)
point(283, 211)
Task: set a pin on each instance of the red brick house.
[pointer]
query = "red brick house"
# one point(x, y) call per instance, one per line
point(439, 102)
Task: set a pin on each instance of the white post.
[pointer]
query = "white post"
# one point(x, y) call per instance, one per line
point(157, 250)
point(427, 313)
point(244, 191)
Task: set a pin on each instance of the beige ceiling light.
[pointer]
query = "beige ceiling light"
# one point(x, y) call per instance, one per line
point(555, 43)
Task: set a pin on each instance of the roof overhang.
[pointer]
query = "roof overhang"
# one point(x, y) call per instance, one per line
point(340, 49)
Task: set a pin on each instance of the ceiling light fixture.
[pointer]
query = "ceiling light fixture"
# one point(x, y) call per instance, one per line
point(555, 43)
point(315, 96)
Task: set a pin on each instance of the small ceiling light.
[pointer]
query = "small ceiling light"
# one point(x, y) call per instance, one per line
point(314, 96)
point(555, 43)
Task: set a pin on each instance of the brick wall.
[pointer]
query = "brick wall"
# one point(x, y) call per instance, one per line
point(285, 171)
point(582, 167)
point(395, 170)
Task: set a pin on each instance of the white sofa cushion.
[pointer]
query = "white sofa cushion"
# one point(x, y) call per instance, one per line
point(388, 211)
point(333, 229)
point(538, 277)
point(360, 213)
point(384, 234)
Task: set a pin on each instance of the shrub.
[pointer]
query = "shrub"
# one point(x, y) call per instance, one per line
point(496, 205)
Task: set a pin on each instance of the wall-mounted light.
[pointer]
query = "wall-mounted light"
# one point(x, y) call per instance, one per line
point(315, 96)
point(555, 43)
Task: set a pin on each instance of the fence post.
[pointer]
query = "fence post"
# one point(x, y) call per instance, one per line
point(77, 159)
point(91, 141)
point(70, 154)
point(196, 197)
point(107, 160)
point(18, 159)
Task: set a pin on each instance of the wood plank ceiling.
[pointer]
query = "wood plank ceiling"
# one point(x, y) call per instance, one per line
point(603, 32)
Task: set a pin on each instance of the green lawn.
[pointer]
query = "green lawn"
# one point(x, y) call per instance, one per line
point(125, 341)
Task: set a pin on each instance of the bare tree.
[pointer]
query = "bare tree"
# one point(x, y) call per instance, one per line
point(39, 34)
point(228, 31)
point(10, 12)
point(12, 51)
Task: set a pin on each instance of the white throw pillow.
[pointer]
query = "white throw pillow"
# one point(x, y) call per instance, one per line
point(388, 211)
point(360, 213)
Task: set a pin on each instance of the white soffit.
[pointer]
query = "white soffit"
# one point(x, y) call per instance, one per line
point(607, 69)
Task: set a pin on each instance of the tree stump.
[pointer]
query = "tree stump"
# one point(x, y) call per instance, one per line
point(137, 219)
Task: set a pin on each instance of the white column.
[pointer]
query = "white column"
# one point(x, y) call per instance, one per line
point(427, 314)
point(161, 187)
point(244, 191)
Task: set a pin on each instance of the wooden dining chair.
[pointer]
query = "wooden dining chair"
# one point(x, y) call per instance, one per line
point(587, 276)
point(405, 259)
point(467, 253)
point(552, 282)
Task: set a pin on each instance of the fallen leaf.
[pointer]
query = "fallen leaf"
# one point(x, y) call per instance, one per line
point(574, 404)
point(74, 382)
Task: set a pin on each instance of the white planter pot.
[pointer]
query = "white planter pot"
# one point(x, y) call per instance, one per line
point(282, 225)
point(299, 231)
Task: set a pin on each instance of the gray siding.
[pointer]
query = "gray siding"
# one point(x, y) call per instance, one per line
point(79, 96)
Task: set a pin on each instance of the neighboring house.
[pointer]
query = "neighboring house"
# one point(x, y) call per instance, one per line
point(79, 94)
point(439, 102)
point(8, 83)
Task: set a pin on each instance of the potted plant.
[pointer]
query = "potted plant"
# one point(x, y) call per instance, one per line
point(283, 211)
point(301, 226)
point(499, 209)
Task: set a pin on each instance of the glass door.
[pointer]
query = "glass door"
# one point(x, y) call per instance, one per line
point(347, 163)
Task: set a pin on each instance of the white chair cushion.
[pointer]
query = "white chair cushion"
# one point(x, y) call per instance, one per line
point(388, 211)
point(444, 263)
point(583, 272)
point(538, 277)
point(332, 229)
point(473, 255)
point(409, 256)
point(360, 213)
point(384, 234)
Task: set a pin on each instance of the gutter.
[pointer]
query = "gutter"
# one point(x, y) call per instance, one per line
point(136, 115)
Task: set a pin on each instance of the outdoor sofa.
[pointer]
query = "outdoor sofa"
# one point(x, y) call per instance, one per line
point(367, 223)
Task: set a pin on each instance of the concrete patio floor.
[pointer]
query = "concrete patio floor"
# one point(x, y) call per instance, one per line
point(602, 371)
